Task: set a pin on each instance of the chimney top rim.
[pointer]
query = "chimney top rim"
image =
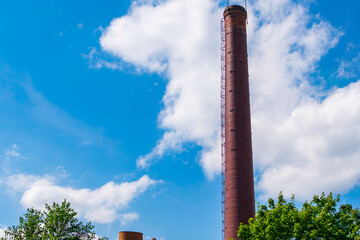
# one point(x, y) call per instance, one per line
point(235, 8)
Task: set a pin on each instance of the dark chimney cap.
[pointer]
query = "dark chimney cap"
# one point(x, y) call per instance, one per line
point(231, 8)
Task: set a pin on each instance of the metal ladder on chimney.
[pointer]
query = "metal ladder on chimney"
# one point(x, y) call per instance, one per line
point(222, 95)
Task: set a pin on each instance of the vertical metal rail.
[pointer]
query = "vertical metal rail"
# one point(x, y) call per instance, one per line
point(247, 19)
point(222, 94)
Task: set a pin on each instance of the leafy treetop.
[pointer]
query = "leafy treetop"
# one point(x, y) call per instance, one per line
point(319, 219)
point(56, 222)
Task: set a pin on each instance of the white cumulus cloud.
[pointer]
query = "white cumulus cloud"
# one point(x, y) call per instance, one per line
point(102, 205)
point(316, 148)
point(304, 138)
point(181, 39)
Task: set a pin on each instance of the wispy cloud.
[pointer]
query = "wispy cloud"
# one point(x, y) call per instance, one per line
point(349, 68)
point(97, 60)
point(11, 154)
point(128, 217)
point(80, 25)
point(21, 102)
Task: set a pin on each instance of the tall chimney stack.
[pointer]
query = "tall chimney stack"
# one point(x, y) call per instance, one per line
point(239, 179)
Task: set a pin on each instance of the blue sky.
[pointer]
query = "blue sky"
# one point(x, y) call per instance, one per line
point(115, 106)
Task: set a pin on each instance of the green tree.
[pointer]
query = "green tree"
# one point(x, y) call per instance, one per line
point(56, 222)
point(319, 219)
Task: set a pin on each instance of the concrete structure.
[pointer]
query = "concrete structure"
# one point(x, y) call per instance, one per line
point(130, 236)
point(239, 179)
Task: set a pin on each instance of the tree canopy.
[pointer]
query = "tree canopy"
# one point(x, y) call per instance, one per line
point(322, 218)
point(56, 222)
